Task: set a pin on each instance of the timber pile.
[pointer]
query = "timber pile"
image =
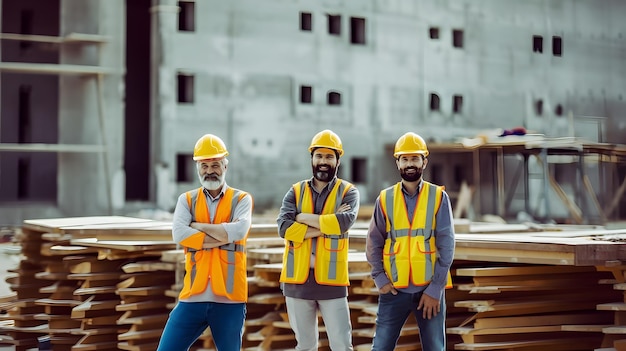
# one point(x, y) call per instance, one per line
point(107, 283)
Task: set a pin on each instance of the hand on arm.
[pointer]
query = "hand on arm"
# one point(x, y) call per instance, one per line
point(215, 234)
point(313, 221)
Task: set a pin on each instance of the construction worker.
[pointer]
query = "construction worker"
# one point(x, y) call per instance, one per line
point(314, 219)
point(211, 223)
point(410, 247)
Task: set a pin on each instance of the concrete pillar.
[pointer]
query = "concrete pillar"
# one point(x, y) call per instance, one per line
point(163, 94)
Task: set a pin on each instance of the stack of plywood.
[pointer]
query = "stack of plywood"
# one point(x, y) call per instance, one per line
point(530, 306)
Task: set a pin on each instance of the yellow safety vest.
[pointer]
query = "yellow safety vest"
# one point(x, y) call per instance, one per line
point(225, 265)
point(410, 250)
point(331, 251)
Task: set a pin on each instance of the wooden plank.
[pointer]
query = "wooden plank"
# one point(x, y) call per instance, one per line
point(49, 68)
point(520, 270)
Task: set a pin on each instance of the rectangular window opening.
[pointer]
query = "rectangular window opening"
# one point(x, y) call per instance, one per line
point(357, 30)
point(433, 32)
point(457, 104)
point(539, 107)
point(306, 94)
point(434, 102)
point(26, 27)
point(24, 114)
point(23, 178)
point(557, 46)
point(187, 16)
point(457, 38)
point(334, 98)
point(334, 24)
point(306, 21)
point(359, 170)
point(185, 88)
point(537, 43)
point(185, 169)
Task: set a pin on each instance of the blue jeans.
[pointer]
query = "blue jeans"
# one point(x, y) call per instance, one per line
point(393, 310)
point(188, 320)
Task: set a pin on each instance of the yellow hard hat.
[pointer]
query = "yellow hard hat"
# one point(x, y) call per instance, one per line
point(410, 143)
point(327, 139)
point(209, 146)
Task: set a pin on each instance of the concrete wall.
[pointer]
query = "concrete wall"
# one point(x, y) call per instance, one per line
point(248, 62)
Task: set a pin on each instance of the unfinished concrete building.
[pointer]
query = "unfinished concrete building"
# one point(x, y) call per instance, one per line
point(102, 101)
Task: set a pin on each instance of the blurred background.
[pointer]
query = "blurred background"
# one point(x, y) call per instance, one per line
point(522, 103)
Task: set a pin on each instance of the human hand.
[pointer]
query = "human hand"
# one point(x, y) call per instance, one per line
point(388, 288)
point(429, 305)
point(343, 208)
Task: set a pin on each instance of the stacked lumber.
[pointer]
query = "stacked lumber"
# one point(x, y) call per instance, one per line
point(521, 307)
point(21, 326)
point(90, 281)
point(76, 300)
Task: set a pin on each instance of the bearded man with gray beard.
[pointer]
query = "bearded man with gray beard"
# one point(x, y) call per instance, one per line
point(314, 219)
point(211, 223)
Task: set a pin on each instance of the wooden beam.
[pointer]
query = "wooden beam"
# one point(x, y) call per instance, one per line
point(38, 147)
point(72, 38)
point(49, 68)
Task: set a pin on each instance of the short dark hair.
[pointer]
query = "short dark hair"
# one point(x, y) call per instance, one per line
point(336, 152)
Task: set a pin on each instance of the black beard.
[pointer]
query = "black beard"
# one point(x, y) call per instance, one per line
point(413, 177)
point(324, 176)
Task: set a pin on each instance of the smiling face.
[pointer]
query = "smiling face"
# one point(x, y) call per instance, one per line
point(212, 172)
point(411, 166)
point(324, 163)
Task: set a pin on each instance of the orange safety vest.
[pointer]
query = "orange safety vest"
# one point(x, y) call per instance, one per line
point(224, 266)
point(410, 251)
point(331, 251)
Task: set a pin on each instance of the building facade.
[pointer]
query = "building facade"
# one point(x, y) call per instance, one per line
point(267, 76)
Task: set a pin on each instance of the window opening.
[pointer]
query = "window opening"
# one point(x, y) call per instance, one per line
point(357, 30)
point(306, 21)
point(26, 27)
point(185, 169)
point(187, 16)
point(24, 113)
point(306, 94)
point(557, 46)
point(334, 98)
point(434, 102)
point(457, 104)
point(537, 43)
point(334, 24)
point(558, 110)
point(185, 88)
point(539, 107)
point(433, 32)
point(359, 170)
point(457, 38)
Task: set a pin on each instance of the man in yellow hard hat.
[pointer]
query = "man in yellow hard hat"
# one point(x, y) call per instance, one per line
point(211, 223)
point(314, 219)
point(410, 247)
